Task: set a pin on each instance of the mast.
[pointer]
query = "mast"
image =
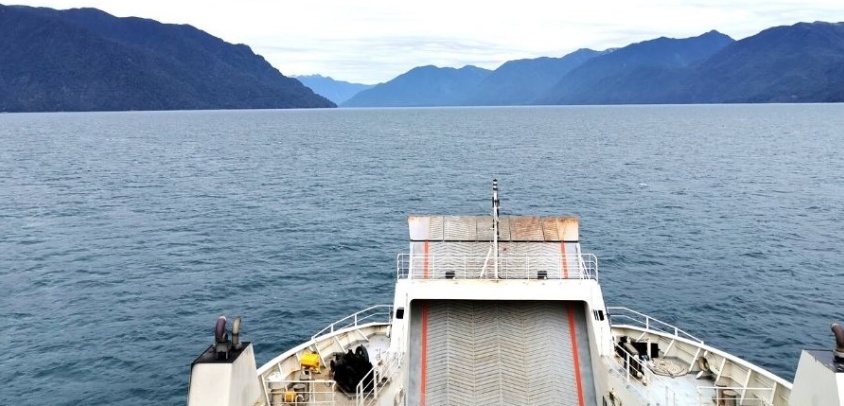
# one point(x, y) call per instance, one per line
point(496, 204)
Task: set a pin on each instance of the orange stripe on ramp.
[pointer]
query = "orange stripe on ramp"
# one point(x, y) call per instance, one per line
point(575, 355)
point(424, 358)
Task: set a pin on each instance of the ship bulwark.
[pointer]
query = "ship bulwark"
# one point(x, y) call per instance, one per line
point(499, 353)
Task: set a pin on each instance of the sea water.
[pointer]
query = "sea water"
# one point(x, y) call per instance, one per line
point(123, 236)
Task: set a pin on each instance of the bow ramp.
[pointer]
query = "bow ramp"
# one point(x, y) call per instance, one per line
point(465, 352)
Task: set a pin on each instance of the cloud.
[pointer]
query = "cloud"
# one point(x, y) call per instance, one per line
point(374, 40)
point(355, 59)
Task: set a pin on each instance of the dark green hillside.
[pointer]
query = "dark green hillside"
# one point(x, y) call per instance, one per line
point(87, 60)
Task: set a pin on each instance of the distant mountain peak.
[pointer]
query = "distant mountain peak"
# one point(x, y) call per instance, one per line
point(521, 81)
point(597, 81)
point(337, 91)
point(426, 67)
point(314, 76)
point(426, 85)
point(818, 23)
point(584, 51)
point(714, 34)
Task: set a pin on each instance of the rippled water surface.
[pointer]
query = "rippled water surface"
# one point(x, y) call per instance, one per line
point(124, 235)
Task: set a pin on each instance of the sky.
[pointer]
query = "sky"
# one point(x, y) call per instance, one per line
point(373, 41)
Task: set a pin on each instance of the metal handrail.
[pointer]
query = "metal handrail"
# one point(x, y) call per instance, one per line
point(353, 321)
point(356, 319)
point(381, 376)
point(625, 365)
point(648, 322)
point(304, 392)
point(570, 266)
point(740, 397)
point(618, 367)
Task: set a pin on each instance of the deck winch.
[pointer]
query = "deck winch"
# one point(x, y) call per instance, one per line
point(352, 368)
point(636, 354)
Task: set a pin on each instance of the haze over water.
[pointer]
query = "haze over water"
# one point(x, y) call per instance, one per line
point(123, 236)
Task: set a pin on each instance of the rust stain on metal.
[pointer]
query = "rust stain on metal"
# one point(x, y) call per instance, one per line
point(526, 228)
point(560, 228)
point(479, 228)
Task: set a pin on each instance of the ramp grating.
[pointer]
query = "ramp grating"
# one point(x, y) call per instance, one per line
point(499, 353)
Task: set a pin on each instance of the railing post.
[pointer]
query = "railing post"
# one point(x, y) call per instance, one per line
point(773, 392)
point(527, 267)
point(356, 319)
point(375, 383)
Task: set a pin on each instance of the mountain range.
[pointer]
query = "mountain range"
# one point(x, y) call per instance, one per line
point(798, 63)
point(525, 80)
point(603, 80)
point(86, 59)
point(337, 91)
point(423, 86)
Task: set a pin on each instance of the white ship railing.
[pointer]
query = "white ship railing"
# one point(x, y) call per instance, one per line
point(628, 366)
point(300, 392)
point(375, 314)
point(753, 384)
point(572, 266)
point(737, 398)
point(381, 376)
point(622, 315)
point(625, 366)
point(378, 314)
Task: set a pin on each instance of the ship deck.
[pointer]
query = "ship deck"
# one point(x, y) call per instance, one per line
point(752, 385)
point(687, 389)
point(706, 376)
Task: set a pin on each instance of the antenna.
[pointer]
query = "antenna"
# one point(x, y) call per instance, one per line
point(496, 208)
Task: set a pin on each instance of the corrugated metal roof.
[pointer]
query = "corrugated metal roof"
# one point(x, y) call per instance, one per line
point(459, 228)
point(479, 228)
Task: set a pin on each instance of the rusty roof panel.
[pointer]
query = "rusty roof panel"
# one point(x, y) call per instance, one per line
point(560, 228)
point(484, 227)
point(479, 228)
point(526, 228)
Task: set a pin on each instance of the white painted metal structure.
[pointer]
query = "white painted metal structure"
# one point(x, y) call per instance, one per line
point(507, 310)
